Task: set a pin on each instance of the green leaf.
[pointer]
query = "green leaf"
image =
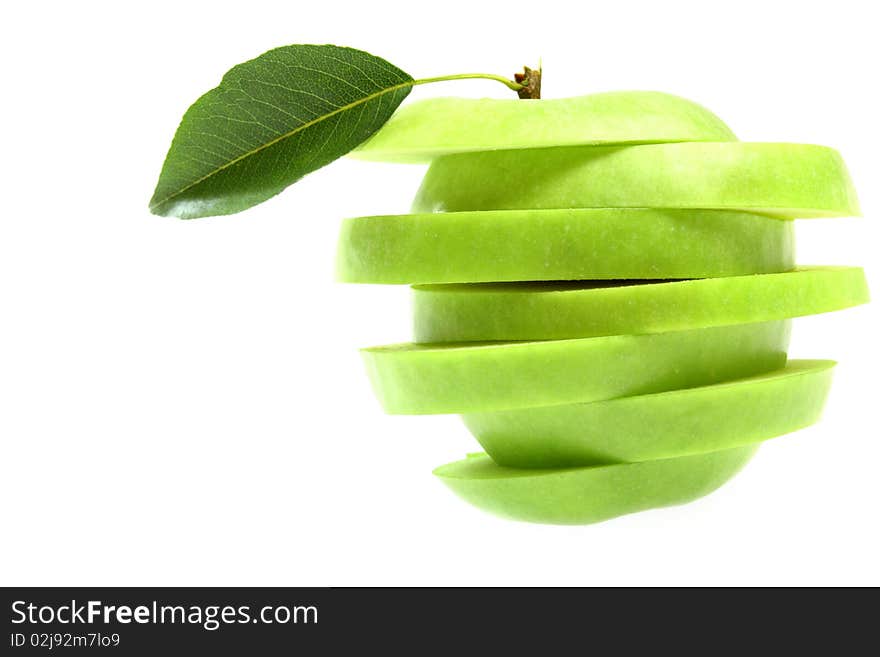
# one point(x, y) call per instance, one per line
point(271, 121)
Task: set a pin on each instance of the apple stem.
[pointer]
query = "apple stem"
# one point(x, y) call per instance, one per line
point(530, 81)
point(526, 84)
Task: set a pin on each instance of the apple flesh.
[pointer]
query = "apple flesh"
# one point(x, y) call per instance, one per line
point(539, 245)
point(784, 180)
point(658, 426)
point(421, 131)
point(562, 310)
point(578, 496)
point(473, 377)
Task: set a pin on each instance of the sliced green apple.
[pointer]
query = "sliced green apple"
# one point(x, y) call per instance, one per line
point(478, 377)
point(658, 426)
point(533, 245)
point(785, 180)
point(561, 310)
point(438, 126)
point(579, 496)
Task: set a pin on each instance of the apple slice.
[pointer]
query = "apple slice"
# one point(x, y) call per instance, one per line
point(658, 426)
point(579, 496)
point(478, 377)
point(523, 245)
point(437, 126)
point(556, 311)
point(785, 180)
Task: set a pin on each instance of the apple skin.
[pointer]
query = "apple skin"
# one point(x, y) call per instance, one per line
point(421, 131)
point(480, 377)
point(532, 245)
point(582, 309)
point(578, 496)
point(783, 180)
point(658, 426)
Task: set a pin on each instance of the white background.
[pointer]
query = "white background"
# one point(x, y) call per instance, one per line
point(183, 403)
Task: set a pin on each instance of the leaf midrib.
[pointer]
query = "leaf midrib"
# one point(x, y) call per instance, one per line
point(282, 137)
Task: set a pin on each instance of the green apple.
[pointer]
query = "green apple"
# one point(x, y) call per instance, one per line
point(561, 310)
point(534, 245)
point(438, 126)
point(578, 496)
point(478, 377)
point(603, 289)
point(785, 180)
point(658, 426)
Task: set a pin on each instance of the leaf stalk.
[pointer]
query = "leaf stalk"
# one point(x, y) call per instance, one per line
point(510, 84)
